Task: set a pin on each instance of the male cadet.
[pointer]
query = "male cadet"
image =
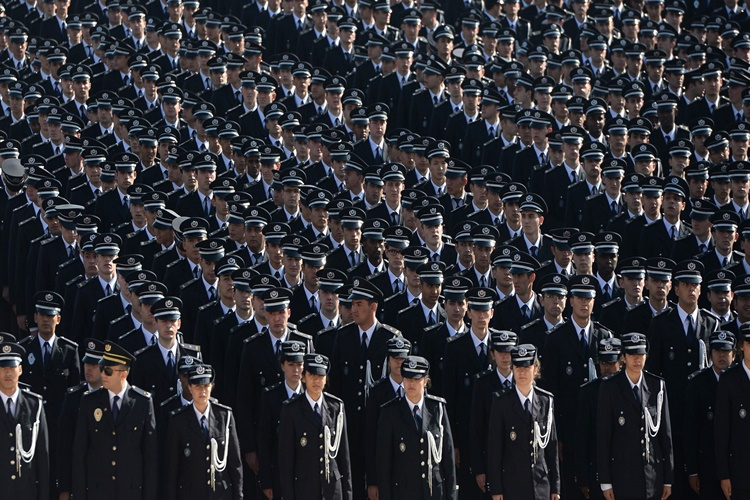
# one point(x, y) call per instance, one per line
point(570, 355)
point(227, 344)
point(631, 272)
point(592, 155)
point(202, 290)
point(585, 427)
point(731, 429)
point(430, 229)
point(329, 281)
point(198, 203)
point(484, 237)
point(391, 280)
point(357, 360)
point(742, 266)
point(633, 203)
point(305, 298)
point(259, 368)
point(384, 390)
point(146, 293)
point(414, 256)
point(562, 261)
point(179, 272)
point(700, 241)
point(106, 246)
point(350, 253)
point(606, 248)
point(531, 240)
point(658, 285)
point(557, 180)
point(719, 295)
point(600, 208)
point(700, 409)
point(426, 312)
point(633, 435)
point(657, 239)
point(66, 424)
point(495, 381)
point(25, 470)
point(155, 366)
point(724, 224)
point(466, 355)
point(677, 340)
point(55, 251)
point(553, 296)
point(651, 196)
point(373, 248)
point(115, 451)
point(523, 306)
point(434, 338)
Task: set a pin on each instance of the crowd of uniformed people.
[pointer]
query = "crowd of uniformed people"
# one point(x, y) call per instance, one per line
point(374, 249)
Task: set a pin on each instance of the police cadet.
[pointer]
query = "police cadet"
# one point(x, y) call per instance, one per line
point(585, 427)
point(182, 398)
point(731, 424)
point(522, 440)
point(115, 452)
point(658, 286)
point(313, 443)
point(358, 359)
point(466, 355)
point(553, 295)
point(634, 437)
point(292, 360)
point(66, 424)
point(498, 379)
point(678, 347)
point(426, 312)
point(700, 409)
point(414, 444)
point(387, 388)
point(202, 451)
point(570, 355)
point(155, 366)
point(259, 368)
point(23, 432)
point(632, 272)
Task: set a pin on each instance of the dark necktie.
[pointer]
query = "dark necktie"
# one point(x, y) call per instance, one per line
point(378, 155)
point(525, 312)
point(527, 408)
point(126, 202)
point(204, 427)
point(690, 328)
point(211, 293)
point(353, 257)
point(313, 303)
point(278, 349)
point(724, 262)
point(97, 192)
point(434, 100)
point(258, 258)
point(637, 395)
point(584, 344)
point(483, 355)
point(170, 362)
point(417, 418)
point(542, 159)
point(672, 232)
point(46, 355)
point(506, 384)
point(431, 319)
point(10, 408)
point(71, 251)
point(534, 250)
point(107, 290)
point(483, 282)
point(316, 409)
point(396, 286)
point(115, 407)
point(197, 272)
point(491, 131)
point(573, 177)
point(702, 247)
point(206, 206)
point(613, 208)
point(394, 218)
point(607, 294)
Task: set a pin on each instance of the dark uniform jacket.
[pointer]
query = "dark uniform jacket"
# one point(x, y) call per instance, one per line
point(188, 456)
point(32, 481)
point(381, 393)
point(508, 315)
point(66, 433)
point(621, 444)
point(116, 459)
point(512, 471)
point(700, 410)
point(486, 385)
point(150, 372)
point(302, 451)
point(271, 401)
point(406, 466)
point(585, 439)
point(731, 429)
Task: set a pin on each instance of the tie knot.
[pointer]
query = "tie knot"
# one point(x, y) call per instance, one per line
point(116, 398)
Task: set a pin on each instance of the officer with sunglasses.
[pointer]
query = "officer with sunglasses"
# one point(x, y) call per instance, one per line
point(115, 448)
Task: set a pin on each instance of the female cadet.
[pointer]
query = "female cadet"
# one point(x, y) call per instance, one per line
point(199, 434)
point(313, 446)
point(415, 448)
point(522, 440)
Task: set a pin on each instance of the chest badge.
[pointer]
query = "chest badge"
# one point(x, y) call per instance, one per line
point(569, 370)
point(98, 414)
point(186, 452)
point(303, 441)
point(743, 413)
point(621, 421)
point(32, 358)
point(513, 435)
point(402, 447)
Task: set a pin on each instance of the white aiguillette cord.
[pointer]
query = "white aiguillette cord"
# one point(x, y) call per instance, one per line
point(21, 453)
point(219, 464)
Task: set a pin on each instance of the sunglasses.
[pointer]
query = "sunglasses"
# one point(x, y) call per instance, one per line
point(108, 371)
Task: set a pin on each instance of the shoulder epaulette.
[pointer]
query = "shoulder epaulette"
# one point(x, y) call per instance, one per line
point(457, 336)
point(272, 387)
point(435, 398)
point(331, 397)
point(395, 331)
point(307, 317)
point(556, 327)
point(410, 306)
point(481, 374)
point(433, 327)
point(26, 339)
point(124, 224)
point(26, 221)
point(76, 388)
point(29, 392)
point(223, 407)
point(590, 382)
point(140, 391)
point(531, 323)
point(174, 263)
point(254, 336)
point(666, 310)
point(292, 399)
point(303, 335)
point(140, 351)
point(191, 347)
point(571, 186)
point(179, 410)
point(206, 306)
point(710, 314)
point(188, 283)
point(75, 281)
point(375, 275)
point(542, 391)
point(49, 240)
point(636, 305)
point(67, 341)
point(119, 318)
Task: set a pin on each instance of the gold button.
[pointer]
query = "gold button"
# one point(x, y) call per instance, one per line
point(114, 478)
point(114, 463)
point(423, 476)
point(13, 477)
point(114, 448)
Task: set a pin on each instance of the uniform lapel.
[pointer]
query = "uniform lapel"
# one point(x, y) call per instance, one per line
point(126, 405)
point(426, 417)
point(627, 391)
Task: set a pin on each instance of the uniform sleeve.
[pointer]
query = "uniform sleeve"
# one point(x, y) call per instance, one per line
point(384, 462)
point(478, 430)
point(448, 461)
point(551, 457)
point(692, 425)
point(41, 457)
point(172, 452)
point(235, 460)
point(244, 404)
point(665, 440)
point(265, 434)
point(722, 425)
point(495, 450)
point(286, 452)
point(80, 447)
point(343, 461)
point(150, 454)
point(583, 425)
point(604, 434)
